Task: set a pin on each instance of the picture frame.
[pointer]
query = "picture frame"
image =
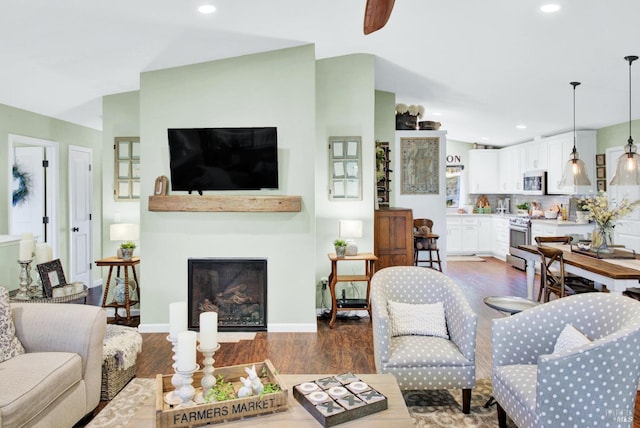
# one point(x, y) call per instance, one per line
point(600, 159)
point(602, 185)
point(601, 172)
point(419, 166)
point(51, 275)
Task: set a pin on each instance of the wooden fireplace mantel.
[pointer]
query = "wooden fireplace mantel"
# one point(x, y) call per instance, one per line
point(225, 203)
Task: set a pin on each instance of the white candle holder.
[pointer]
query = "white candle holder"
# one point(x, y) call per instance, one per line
point(172, 398)
point(208, 380)
point(25, 280)
point(186, 392)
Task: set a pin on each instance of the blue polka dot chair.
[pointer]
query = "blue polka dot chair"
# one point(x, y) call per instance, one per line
point(591, 383)
point(419, 361)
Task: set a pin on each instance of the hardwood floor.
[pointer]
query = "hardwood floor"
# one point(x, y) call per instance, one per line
point(349, 346)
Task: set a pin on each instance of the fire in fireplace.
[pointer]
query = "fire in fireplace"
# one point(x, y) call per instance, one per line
point(235, 288)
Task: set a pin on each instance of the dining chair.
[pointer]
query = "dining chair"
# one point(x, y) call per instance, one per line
point(424, 240)
point(552, 272)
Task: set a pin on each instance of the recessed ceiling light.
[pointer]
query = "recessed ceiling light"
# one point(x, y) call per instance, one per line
point(207, 8)
point(437, 113)
point(550, 7)
point(521, 126)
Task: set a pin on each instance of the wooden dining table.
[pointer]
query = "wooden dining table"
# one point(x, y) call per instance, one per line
point(617, 274)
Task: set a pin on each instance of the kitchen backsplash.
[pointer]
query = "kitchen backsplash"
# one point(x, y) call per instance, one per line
point(546, 202)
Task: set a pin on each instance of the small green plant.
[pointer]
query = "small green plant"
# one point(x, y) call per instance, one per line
point(221, 391)
point(523, 206)
point(340, 243)
point(128, 244)
point(270, 388)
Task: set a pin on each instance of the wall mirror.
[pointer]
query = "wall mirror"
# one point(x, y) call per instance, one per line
point(127, 168)
point(345, 172)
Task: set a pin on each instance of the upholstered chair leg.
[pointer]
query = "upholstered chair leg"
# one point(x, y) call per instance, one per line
point(466, 401)
point(502, 416)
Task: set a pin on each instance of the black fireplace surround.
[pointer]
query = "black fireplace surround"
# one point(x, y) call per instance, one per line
point(235, 288)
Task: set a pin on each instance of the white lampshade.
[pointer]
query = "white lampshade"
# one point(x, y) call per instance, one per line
point(124, 232)
point(350, 229)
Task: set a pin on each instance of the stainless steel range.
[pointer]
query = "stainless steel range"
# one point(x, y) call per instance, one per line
point(519, 234)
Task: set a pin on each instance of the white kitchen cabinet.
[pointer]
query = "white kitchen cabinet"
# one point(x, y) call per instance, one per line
point(555, 228)
point(500, 237)
point(454, 235)
point(536, 155)
point(485, 235)
point(558, 150)
point(469, 235)
point(483, 171)
point(510, 176)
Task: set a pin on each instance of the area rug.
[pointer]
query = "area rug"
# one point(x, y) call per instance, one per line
point(427, 408)
point(464, 259)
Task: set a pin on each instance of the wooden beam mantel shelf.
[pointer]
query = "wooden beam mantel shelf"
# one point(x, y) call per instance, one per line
point(225, 203)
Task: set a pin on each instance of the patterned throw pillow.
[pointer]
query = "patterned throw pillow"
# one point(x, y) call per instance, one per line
point(10, 345)
point(425, 319)
point(570, 338)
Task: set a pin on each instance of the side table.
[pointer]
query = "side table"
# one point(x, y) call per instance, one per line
point(350, 304)
point(112, 262)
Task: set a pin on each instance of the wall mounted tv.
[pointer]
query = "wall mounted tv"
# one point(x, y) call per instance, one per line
point(223, 158)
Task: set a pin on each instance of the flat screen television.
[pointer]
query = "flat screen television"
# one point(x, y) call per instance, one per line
point(223, 158)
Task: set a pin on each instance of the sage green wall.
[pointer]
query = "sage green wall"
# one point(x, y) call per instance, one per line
point(120, 118)
point(617, 135)
point(22, 122)
point(345, 94)
point(268, 89)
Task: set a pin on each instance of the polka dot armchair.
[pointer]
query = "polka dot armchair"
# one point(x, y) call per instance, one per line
point(424, 362)
point(588, 385)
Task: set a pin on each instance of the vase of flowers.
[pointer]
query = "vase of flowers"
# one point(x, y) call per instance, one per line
point(598, 210)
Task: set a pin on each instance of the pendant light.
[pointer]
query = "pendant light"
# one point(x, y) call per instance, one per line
point(628, 168)
point(575, 173)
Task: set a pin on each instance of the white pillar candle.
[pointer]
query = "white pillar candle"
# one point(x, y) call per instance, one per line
point(43, 252)
point(208, 330)
point(27, 236)
point(25, 250)
point(187, 350)
point(177, 318)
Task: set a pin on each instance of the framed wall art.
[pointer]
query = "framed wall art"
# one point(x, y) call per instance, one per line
point(419, 167)
point(601, 172)
point(600, 159)
point(345, 177)
point(51, 275)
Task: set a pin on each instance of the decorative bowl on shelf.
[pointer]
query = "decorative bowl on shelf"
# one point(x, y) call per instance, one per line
point(584, 245)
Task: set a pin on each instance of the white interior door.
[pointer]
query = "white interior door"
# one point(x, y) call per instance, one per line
point(80, 203)
point(627, 230)
point(36, 205)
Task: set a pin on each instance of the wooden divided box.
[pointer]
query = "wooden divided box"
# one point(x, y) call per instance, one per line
point(220, 411)
point(333, 400)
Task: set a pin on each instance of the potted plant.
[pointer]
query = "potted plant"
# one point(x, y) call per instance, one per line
point(582, 212)
point(341, 247)
point(126, 248)
point(523, 208)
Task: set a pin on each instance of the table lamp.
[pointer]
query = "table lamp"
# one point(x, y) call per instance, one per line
point(350, 229)
point(124, 232)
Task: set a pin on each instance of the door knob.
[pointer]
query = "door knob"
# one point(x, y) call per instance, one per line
point(75, 229)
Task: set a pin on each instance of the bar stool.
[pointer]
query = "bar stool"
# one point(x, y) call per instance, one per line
point(425, 240)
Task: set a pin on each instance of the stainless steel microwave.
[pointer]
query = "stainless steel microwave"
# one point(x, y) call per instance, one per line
point(534, 183)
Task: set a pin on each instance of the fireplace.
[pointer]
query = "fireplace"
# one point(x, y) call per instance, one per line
point(235, 288)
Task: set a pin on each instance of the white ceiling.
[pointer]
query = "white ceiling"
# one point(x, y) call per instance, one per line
point(484, 66)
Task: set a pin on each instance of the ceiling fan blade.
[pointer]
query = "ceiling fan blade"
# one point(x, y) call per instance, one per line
point(376, 14)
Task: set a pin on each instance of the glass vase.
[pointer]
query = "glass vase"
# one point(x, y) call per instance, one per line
point(601, 239)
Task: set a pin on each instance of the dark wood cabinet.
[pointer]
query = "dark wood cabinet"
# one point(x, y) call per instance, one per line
point(393, 237)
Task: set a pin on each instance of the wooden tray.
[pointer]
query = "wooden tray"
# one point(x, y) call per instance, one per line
point(619, 252)
point(217, 412)
point(333, 411)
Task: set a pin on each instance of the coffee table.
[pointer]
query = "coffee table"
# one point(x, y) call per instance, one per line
point(397, 415)
point(509, 304)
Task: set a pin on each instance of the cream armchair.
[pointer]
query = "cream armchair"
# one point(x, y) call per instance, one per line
point(57, 381)
point(591, 384)
point(421, 361)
